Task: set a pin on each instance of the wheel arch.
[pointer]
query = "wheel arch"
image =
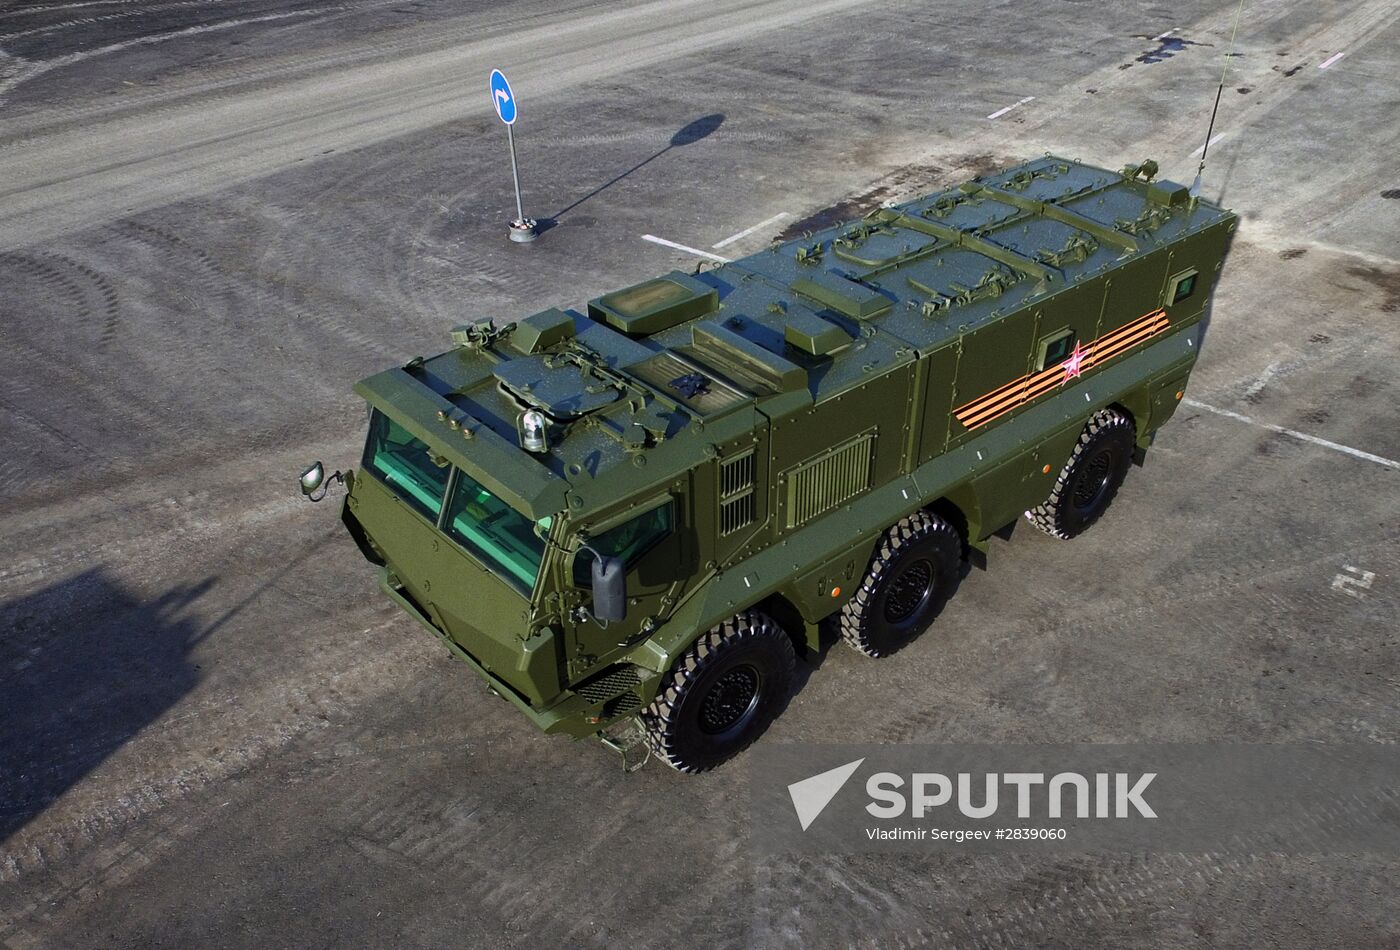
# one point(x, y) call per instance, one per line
point(1133, 405)
point(950, 511)
point(1136, 406)
point(787, 615)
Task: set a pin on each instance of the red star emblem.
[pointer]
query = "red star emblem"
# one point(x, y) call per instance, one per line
point(1074, 365)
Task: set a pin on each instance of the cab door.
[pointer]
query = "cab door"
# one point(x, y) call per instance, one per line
point(653, 539)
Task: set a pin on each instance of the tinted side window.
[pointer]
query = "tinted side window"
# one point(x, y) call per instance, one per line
point(405, 465)
point(629, 540)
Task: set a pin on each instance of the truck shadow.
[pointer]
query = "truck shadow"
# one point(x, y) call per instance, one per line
point(688, 134)
point(86, 665)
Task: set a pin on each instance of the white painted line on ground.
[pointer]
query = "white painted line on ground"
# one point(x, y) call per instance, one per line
point(1001, 112)
point(1293, 433)
point(1162, 36)
point(747, 231)
point(1330, 60)
point(681, 247)
point(1355, 582)
point(1213, 140)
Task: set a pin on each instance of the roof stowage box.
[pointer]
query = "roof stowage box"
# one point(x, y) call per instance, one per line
point(655, 305)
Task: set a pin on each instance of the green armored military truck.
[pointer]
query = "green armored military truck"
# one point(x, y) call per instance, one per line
point(628, 520)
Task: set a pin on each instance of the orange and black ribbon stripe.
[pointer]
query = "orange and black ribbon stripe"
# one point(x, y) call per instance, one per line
point(1018, 392)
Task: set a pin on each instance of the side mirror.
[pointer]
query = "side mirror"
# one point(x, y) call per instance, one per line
point(609, 588)
point(312, 479)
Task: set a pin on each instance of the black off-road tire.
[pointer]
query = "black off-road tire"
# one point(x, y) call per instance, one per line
point(722, 693)
point(1090, 479)
point(912, 574)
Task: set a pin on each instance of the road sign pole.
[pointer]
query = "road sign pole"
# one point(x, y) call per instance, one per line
point(515, 174)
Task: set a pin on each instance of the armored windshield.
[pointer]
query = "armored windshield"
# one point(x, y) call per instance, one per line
point(505, 541)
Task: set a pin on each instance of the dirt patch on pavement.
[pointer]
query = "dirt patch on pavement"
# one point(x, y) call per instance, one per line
point(1386, 280)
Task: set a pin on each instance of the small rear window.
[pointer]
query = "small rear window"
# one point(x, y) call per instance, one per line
point(1184, 286)
point(406, 465)
point(1055, 349)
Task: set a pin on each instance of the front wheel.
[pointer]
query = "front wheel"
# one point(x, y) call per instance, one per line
point(722, 693)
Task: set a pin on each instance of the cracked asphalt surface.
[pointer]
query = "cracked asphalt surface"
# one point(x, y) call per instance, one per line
point(216, 215)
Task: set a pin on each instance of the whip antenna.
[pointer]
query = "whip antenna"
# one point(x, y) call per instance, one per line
point(1230, 51)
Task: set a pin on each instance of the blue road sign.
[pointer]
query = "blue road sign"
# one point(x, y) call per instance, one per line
point(502, 98)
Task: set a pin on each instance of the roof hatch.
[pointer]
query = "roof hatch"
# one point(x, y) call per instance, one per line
point(560, 386)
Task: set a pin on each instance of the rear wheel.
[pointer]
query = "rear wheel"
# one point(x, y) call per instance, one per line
point(722, 693)
point(1090, 479)
point(911, 575)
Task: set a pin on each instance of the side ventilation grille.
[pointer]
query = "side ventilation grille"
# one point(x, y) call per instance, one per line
point(736, 493)
point(608, 684)
point(621, 705)
point(819, 485)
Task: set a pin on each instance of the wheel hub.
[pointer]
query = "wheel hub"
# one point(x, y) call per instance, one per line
point(909, 592)
point(730, 699)
point(1093, 479)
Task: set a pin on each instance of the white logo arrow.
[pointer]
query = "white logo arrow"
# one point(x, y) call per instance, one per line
point(811, 795)
point(502, 95)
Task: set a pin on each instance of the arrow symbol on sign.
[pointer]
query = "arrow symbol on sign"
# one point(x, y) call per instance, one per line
point(502, 95)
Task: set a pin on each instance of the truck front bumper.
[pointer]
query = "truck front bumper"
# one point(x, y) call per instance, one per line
point(565, 716)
